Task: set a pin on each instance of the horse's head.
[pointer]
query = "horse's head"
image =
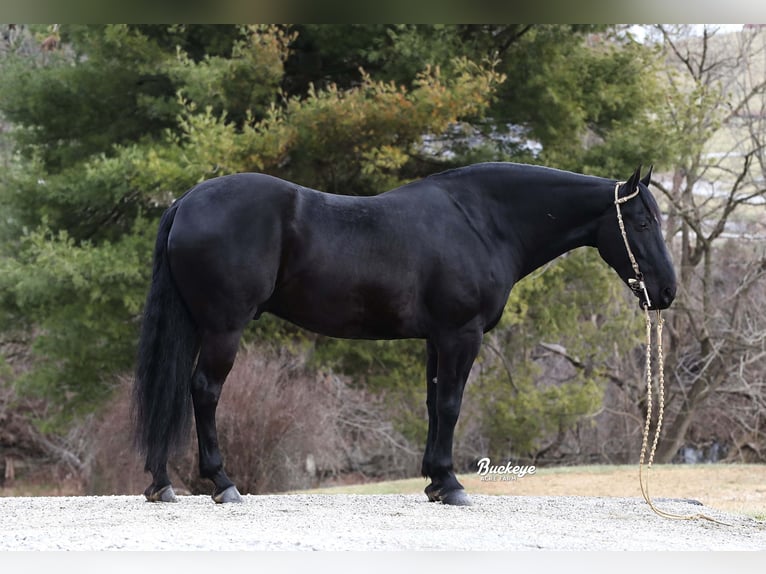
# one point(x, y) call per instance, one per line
point(634, 248)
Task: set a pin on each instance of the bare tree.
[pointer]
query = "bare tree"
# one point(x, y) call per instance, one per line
point(716, 116)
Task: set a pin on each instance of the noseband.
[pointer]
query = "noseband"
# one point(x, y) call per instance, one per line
point(637, 284)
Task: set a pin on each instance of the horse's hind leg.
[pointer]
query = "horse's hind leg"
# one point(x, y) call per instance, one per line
point(217, 353)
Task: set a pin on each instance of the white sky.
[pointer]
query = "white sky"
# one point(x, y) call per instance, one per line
point(639, 31)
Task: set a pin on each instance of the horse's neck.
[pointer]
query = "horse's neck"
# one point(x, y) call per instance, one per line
point(542, 217)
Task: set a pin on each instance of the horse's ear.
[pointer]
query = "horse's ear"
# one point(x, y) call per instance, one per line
point(632, 183)
point(647, 178)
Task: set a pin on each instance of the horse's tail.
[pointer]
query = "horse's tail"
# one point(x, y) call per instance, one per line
point(167, 351)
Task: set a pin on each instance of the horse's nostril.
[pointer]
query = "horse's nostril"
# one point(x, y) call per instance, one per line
point(668, 294)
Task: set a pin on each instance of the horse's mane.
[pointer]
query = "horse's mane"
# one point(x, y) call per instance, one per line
point(646, 196)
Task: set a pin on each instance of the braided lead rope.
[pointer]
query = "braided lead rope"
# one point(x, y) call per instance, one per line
point(661, 410)
point(638, 284)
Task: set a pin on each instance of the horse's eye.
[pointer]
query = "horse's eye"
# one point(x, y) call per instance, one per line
point(643, 225)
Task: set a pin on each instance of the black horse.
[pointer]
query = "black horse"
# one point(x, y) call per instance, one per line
point(434, 259)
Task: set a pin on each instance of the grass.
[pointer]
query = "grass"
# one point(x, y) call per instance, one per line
point(737, 488)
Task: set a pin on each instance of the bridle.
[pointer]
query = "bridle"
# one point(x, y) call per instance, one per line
point(637, 283)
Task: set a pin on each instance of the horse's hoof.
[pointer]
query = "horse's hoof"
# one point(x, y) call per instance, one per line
point(164, 494)
point(432, 492)
point(456, 497)
point(231, 494)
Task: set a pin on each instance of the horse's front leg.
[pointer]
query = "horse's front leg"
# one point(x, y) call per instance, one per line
point(455, 352)
point(431, 369)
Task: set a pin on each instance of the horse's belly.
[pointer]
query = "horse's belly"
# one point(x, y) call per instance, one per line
point(354, 312)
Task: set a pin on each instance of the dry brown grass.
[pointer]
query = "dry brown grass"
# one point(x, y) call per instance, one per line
point(281, 427)
point(737, 488)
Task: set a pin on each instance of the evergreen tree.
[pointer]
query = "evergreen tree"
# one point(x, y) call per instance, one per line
point(116, 121)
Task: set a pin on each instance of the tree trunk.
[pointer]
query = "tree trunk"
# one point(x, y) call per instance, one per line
point(673, 439)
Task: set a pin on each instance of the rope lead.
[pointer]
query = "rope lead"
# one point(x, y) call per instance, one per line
point(660, 413)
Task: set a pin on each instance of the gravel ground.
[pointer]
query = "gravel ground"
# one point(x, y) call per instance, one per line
point(366, 522)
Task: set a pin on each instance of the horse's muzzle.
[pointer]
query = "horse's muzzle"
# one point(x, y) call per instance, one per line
point(667, 295)
point(658, 303)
